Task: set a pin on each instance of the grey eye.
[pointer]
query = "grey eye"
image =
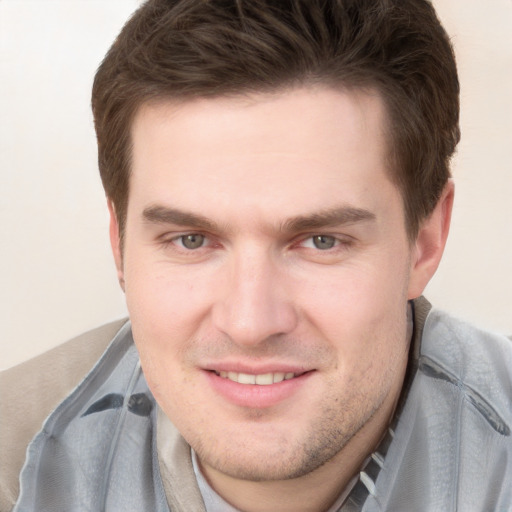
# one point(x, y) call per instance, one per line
point(192, 241)
point(324, 242)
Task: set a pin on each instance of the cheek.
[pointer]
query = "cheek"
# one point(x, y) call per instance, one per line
point(361, 311)
point(166, 310)
point(354, 294)
point(164, 300)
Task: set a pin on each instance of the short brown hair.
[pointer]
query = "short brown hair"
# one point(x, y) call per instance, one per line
point(181, 49)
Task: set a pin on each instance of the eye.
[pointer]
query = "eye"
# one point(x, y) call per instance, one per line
point(321, 242)
point(191, 241)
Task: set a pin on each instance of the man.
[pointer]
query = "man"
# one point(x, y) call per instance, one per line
point(277, 176)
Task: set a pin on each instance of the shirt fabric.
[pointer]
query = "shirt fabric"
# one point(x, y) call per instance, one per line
point(448, 449)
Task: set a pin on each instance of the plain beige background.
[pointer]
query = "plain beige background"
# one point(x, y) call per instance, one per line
point(57, 275)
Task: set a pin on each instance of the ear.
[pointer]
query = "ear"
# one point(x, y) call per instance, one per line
point(115, 242)
point(430, 242)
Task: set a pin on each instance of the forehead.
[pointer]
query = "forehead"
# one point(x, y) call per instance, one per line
point(283, 152)
point(277, 118)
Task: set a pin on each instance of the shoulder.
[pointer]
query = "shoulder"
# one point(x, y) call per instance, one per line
point(451, 447)
point(479, 362)
point(31, 390)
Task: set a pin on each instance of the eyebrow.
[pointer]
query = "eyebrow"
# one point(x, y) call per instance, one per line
point(326, 218)
point(165, 215)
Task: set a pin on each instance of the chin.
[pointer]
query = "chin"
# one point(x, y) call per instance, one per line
point(280, 458)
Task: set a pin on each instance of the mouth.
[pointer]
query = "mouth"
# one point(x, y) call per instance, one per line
point(257, 390)
point(264, 379)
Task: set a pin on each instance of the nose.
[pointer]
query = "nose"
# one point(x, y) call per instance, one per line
point(253, 304)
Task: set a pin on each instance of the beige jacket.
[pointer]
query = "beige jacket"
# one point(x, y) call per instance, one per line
point(32, 389)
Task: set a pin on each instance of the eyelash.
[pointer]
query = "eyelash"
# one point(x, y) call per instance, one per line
point(313, 239)
point(340, 243)
point(177, 242)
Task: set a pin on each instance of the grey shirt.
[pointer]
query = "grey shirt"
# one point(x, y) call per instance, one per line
point(448, 449)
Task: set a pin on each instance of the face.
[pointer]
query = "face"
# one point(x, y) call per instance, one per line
point(267, 271)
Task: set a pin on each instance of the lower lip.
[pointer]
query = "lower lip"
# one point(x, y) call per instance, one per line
point(254, 395)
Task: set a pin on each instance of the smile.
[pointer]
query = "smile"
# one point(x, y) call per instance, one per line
point(264, 379)
point(260, 389)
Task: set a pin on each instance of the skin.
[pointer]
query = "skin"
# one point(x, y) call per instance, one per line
point(259, 177)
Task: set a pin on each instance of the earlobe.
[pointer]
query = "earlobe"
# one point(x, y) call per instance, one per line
point(430, 242)
point(115, 242)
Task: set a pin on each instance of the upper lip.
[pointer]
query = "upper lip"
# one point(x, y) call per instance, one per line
point(259, 369)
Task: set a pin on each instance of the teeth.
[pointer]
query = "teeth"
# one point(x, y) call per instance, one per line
point(245, 378)
point(264, 379)
point(278, 377)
